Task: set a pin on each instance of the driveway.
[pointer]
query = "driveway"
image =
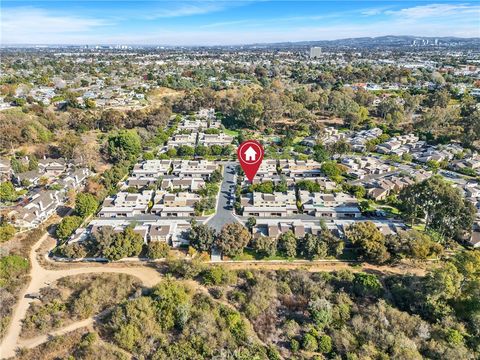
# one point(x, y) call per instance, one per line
point(224, 212)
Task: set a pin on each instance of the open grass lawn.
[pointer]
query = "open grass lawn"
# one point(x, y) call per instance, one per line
point(250, 254)
point(231, 132)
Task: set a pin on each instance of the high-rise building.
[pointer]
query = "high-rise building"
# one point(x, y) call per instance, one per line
point(315, 52)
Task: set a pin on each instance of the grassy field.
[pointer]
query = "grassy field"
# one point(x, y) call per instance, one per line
point(250, 254)
point(231, 132)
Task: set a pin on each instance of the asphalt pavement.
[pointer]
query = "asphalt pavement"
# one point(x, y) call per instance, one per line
point(224, 212)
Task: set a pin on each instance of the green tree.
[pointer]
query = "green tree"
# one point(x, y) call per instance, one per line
point(443, 285)
point(201, 237)
point(367, 285)
point(85, 205)
point(332, 170)
point(33, 163)
point(124, 244)
point(67, 227)
point(313, 247)
point(157, 250)
point(6, 232)
point(170, 297)
point(7, 191)
point(216, 176)
point(185, 150)
point(265, 246)
point(325, 344)
point(251, 222)
point(369, 241)
point(309, 342)
point(73, 251)
point(232, 239)
point(321, 311)
point(442, 207)
point(287, 243)
point(201, 150)
point(124, 145)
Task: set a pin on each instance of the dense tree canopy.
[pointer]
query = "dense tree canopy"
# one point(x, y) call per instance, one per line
point(232, 239)
point(441, 206)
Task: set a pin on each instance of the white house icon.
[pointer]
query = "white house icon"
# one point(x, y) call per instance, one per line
point(250, 154)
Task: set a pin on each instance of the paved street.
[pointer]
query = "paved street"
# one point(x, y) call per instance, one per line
point(224, 212)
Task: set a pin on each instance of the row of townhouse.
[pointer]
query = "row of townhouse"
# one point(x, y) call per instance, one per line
point(6, 170)
point(51, 170)
point(273, 228)
point(173, 232)
point(278, 204)
point(292, 171)
point(356, 139)
point(474, 240)
point(331, 135)
point(472, 162)
point(399, 145)
point(167, 183)
point(176, 173)
point(379, 189)
point(199, 138)
point(330, 206)
point(267, 205)
point(176, 183)
point(361, 167)
point(432, 153)
point(420, 150)
point(181, 204)
point(40, 206)
point(200, 169)
point(360, 138)
point(199, 123)
point(125, 204)
point(471, 191)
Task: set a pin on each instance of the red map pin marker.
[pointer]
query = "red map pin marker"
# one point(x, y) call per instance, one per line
point(250, 156)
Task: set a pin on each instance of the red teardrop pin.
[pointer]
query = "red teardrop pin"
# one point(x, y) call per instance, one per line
point(250, 155)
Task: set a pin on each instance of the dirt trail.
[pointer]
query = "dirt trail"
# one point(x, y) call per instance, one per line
point(41, 277)
point(39, 340)
point(148, 276)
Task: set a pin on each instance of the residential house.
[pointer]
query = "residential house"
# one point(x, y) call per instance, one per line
point(267, 171)
point(152, 168)
point(125, 204)
point(330, 206)
point(208, 140)
point(39, 208)
point(183, 140)
point(180, 204)
point(193, 169)
point(52, 167)
point(185, 184)
point(274, 228)
point(300, 169)
point(269, 205)
point(28, 178)
point(75, 179)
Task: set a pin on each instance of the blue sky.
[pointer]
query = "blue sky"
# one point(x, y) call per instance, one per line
point(228, 22)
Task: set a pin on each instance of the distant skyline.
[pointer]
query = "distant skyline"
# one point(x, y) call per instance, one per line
point(229, 22)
